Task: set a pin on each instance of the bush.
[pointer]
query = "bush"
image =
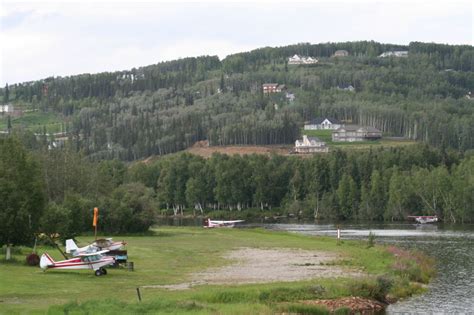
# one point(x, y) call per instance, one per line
point(112, 306)
point(404, 288)
point(371, 240)
point(290, 294)
point(230, 297)
point(373, 288)
point(343, 311)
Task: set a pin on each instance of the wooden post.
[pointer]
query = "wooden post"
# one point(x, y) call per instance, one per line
point(8, 255)
point(139, 296)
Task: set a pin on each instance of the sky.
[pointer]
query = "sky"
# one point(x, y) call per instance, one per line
point(39, 39)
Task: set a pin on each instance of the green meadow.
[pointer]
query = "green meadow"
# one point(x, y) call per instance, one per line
point(172, 254)
point(35, 121)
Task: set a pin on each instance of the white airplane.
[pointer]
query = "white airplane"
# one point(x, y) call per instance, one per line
point(423, 219)
point(95, 261)
point(98, 245)
point(208, 223)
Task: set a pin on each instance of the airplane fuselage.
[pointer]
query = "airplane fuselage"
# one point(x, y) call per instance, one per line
point(83, 262)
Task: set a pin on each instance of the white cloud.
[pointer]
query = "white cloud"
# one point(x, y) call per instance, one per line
point(200, 47)
point(39, 39)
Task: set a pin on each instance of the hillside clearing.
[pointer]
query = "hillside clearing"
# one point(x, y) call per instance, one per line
point(203, 149)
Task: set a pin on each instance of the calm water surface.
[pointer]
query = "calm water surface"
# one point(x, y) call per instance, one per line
point(451, 291)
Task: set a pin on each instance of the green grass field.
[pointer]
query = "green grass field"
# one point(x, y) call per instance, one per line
point(169, 257)
point(326, 136)
point(34, 121)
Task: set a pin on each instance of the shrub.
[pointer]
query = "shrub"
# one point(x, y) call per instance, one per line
point(306, 309)
point(230, 297)
point(291, 294)
point(412, 265)
point(111, 306)
point(376, 288)
point(371, 240)
point(342, 311)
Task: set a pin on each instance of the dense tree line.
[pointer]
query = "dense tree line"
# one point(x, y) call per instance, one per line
point(373, 185)
point(55, 191)
point(22, 198)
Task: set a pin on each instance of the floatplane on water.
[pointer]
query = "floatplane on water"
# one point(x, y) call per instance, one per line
point(208, 223)
point(423, 219)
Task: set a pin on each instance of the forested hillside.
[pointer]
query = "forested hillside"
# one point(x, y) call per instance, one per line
point(164, 108)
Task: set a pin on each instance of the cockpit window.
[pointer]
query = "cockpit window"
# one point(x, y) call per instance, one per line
point(91, 258)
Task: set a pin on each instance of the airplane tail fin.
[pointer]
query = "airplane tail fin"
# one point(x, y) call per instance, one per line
point(71, 246)
point(46, 261)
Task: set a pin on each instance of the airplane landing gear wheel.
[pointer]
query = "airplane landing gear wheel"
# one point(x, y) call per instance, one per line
point(98, 272)
point(104, 271)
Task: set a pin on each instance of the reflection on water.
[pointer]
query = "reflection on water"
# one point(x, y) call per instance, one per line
point(452, 291)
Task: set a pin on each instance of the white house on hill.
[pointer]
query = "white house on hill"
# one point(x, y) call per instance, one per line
point(8, 108)
point(400, 53)
point(323, 123)
point(272, 88)
point(310, 145)
point(301, 60)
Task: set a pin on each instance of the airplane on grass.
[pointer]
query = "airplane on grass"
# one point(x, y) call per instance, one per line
point(423, 219)
point(98, 245)
point(208, 223)
point(95, 261)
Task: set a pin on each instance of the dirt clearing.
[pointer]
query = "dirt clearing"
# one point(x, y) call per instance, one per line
point(203, 149)
point(256, 265)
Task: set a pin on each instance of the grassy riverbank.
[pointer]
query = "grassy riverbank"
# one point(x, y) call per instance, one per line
point(173, 255)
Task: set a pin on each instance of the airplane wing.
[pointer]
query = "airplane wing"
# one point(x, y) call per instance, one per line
point(92, 254)
point(226, 222)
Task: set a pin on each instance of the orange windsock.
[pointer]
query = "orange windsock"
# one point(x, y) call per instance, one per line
point(96, 214)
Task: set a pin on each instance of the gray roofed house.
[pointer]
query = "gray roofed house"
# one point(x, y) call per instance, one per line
point(352, 133)
point(341, 53)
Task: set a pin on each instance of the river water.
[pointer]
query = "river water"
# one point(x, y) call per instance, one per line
point(451, 291)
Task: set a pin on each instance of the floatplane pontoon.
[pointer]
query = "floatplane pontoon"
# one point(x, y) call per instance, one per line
point(423, 219)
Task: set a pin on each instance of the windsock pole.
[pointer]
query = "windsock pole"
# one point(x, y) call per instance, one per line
point(94, 221)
